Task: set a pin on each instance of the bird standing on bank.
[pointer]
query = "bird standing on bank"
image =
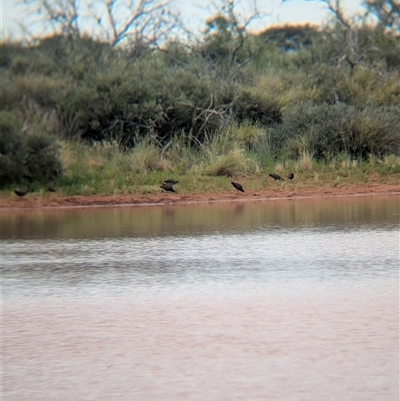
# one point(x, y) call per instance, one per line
point(276, 177)
point(290, 176)
point(20, 193)
point(167, 187)
point(170, 181)
point(237, 186)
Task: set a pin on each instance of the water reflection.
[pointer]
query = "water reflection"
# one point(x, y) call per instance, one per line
point(115, 248)
point(348, 213)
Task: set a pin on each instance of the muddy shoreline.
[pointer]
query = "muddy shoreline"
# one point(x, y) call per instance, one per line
point(54, 201)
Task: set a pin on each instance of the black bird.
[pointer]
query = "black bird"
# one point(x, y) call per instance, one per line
point(167, 187)
point(50, 189)
point(237, 186)
point(20, 193)
point(276, 177)
point(290, 176)
point(170, 181)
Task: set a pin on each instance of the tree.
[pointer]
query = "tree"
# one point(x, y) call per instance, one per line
point(359, 44)
point(60, 17)
point(143, 23)
point(386, 11)
point(139, 24)
point(228, 30)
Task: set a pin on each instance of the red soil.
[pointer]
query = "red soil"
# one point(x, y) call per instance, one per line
point(53, 200)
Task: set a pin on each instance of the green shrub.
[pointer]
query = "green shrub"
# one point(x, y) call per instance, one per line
point(147, 98)
point(323, 130)
point(42, 90)
point(20, 65)
point(26, 157)
point(12, 149)
point(42, 160)
point(365, 87)
point(257, 106)
point(248, 135)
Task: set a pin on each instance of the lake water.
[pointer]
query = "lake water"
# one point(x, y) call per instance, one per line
point(272, 300)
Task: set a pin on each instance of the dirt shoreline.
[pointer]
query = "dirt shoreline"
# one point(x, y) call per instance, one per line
point(53, 201)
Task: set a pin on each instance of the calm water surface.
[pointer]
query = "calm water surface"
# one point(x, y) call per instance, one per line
point(275, 300)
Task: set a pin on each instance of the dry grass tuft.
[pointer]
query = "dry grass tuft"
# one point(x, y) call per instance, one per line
point(279, 167)
point(229, 165)
point(305, 162)
point(143, 157)
point(391, 161)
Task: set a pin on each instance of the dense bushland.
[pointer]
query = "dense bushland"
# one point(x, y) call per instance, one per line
point(30, 158)
point(232, 102)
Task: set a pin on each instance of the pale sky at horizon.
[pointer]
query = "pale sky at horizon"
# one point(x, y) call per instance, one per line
point(290, 11)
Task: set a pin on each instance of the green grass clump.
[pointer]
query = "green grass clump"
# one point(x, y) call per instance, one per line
point(144, 157)
point(232, 164)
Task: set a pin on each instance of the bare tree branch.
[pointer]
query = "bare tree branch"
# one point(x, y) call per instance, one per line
point(234, 25)
point(386, 11)
point(141, 22)
point(61, 16)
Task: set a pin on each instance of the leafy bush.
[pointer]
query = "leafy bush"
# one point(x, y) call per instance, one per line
point(322, 130)
point(365, 87)
point(42, 160)
point(26, 157)
point(248, 135)
point(256, 106)
point(42, 90)
point(12, 149)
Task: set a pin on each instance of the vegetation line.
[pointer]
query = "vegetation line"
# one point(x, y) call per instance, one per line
point(80, 115)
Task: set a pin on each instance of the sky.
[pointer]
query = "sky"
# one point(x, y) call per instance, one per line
point(195, 13)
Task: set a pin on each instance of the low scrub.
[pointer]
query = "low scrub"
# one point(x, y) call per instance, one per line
point(12, 149)
point(323, 130)
point(26, 157)
point(42, 160)
point(256, 106)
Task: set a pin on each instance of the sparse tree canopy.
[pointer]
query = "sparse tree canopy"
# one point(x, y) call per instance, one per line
point(227, 31)
point(138, 24)
point(387, 12)
point(60, 17)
